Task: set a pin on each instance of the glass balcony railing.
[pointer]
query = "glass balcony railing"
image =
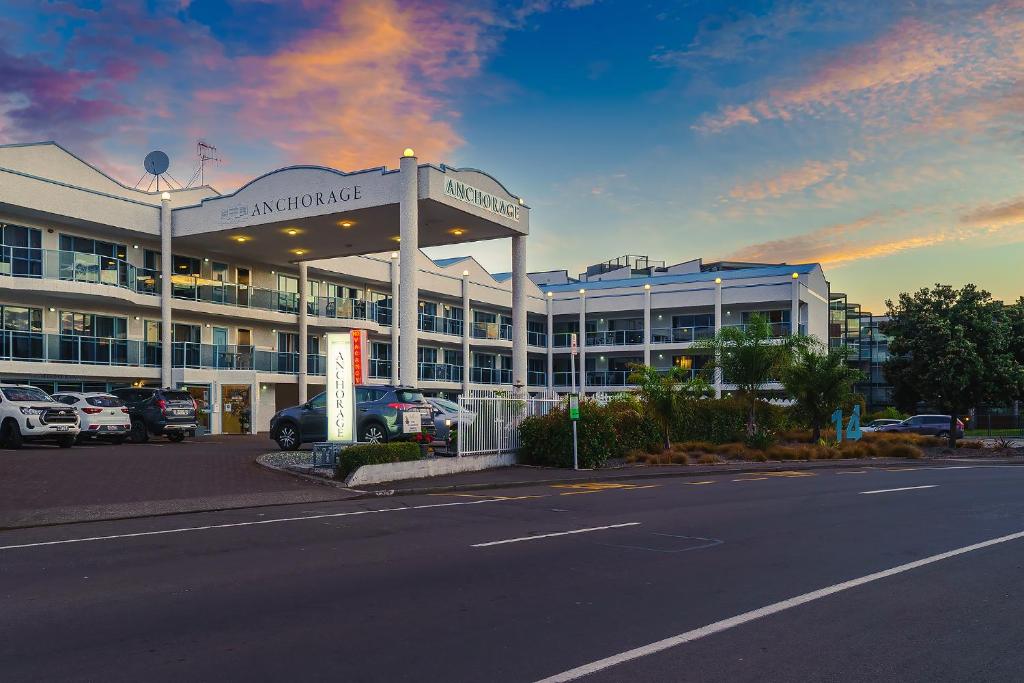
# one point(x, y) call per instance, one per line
point(564, 378)
point(348, 309)
point(490, 376)
point(536, 378)
point(440, 372)
point(440, 324)
point(53, 264)
point(615, 338)
point(536, 339)
point(195, 288)
point(561, 340)
point(608, 378)
point(778, 330)
point(681, 335)
point(383, 314)
point(489, 331)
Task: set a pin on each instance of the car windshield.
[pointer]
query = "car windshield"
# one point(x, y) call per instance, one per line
point(446, 405)
point(26, 394)
point(104, 401)
point(177, 396)
point(408, 396)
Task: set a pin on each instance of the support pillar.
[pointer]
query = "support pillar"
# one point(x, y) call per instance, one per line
point(166, 287)
point(519, 336)
point(550, 344)
point(303, 333)
point(395, 279)
point(647, 325)
point(582, 342)
point(466, 317)
point(718, 328)
point(408, 291)
point(794, 311)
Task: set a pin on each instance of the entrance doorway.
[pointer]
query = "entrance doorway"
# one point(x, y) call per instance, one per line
point(236, 408)
point(242, 281)
point(200, 393)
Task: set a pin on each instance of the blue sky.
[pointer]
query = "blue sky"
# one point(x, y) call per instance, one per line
point(882, 139)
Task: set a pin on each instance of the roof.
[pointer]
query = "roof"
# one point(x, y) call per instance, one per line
point(743, 274)
point(445, 262)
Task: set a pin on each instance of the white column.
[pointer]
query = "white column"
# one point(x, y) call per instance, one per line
point(582, 340)
point(394, 317)
point(466, 318)
point(647, 324)
point(794, 311)
point(519, 335)
point(550, 344)
point(166, 272)
point(303, 333)
point(718, 327)
point(408, 291)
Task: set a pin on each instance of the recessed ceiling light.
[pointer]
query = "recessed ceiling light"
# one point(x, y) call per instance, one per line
point(298, 252)
point(458, 231)
point(241, 238)
point(396, 238)
point(346, 224)
point(292, 231)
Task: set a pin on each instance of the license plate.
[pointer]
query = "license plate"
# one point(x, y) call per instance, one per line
point(111, 428)
point(181, 412)
point(60, 428)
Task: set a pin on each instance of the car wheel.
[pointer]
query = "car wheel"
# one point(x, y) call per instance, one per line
point(176, 437)
point(374, 433)
point(287, 437)
point(139, 433)
point(10, 434)
point(66, 441)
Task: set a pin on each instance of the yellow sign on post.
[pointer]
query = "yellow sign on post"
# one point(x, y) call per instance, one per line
point(341, 404)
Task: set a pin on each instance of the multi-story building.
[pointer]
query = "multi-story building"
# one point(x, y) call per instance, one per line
point(866, 345)
point(94, 293)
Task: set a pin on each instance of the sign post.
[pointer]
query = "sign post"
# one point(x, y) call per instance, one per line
point(574, 415)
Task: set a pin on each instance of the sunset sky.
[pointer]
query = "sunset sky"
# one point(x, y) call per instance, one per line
point(883, 139)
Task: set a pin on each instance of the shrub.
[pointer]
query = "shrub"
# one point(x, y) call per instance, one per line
point(710, 459)
point(969, 444)
point(723, 420)
point(761, 439)
point(633, 429)
point(899, 450)
point(546, 440)
point(889, 413)
point(353, 457)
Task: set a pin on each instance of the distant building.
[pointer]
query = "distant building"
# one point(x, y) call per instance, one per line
point(867, 348)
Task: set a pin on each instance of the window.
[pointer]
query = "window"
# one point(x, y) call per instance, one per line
point(319, 401)
point(91, 325)
point(26, 394)
point(380, 351)
point(86, 245)
point(426, 355)
point(452, 357)
point(104, 401)
point(22, 318)
point(21, 254)
point(219, 271)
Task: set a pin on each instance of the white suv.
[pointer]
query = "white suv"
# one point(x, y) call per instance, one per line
point(28, 413)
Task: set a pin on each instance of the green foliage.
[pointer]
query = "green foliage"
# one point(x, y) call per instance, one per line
point(546, 440)
point(952, 349)
point(353, 457)
point(889, 413)
point(724, 420)
point(761, 440)
point(750, 358)
point(633, 430)
point(819, 381)
point(662, 392)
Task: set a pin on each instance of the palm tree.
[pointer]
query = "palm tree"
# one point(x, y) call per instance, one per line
point(661, 393)
point(750, 358)
point(819, 381)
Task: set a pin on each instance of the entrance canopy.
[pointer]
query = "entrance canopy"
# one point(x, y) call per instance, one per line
point(304, 213)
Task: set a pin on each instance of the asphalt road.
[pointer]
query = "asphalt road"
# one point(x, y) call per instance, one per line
point(491, 587)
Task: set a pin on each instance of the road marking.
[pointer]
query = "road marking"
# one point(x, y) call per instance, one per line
point(775, 608)
point(552, 535)
point(901, 469)
point(905, 488)
point(277, 520)
point(752, 479)
point(489, 497)
point(598, 487)
point(697, 483)
point(857, 472)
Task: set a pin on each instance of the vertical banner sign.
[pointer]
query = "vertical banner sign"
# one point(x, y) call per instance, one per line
point(572, 341)
point(341, 405)
point(359, 365)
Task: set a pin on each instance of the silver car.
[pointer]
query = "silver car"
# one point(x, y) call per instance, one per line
point(447, 414)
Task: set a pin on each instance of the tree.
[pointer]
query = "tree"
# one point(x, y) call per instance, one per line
point(750, 358)
point(662, 392)
point(1015, 317)
point(819, 380)
point(952, 349)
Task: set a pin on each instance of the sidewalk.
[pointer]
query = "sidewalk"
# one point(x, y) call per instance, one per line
point(523, 475)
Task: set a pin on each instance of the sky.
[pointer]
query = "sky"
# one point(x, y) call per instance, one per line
point(881, 139)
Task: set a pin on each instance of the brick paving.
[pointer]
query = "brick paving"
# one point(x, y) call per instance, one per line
point(43, 484)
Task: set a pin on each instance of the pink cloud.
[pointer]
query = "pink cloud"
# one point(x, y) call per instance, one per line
point(791, 180)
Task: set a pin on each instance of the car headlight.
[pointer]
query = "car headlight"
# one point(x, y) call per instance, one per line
point(32, 411)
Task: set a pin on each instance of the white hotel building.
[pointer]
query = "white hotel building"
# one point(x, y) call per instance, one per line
point(306, 250)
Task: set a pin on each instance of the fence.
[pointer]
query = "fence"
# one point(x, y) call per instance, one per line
point(489, 420)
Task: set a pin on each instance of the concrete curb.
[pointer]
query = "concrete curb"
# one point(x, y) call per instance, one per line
point(321, 481)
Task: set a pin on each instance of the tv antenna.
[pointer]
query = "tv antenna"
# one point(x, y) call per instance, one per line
point(156, 164)
point(204, 152)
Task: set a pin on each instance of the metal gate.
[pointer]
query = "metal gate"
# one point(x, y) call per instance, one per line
point(489, 420)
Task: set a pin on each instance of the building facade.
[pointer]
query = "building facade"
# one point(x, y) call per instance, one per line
point(867, 348)
point(102, 285)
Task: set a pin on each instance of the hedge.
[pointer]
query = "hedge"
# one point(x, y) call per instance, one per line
point(724, 420)
point(353, 457)
point(547, 440)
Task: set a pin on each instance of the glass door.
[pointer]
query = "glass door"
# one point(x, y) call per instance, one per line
point(236, 409)
point(200, 393)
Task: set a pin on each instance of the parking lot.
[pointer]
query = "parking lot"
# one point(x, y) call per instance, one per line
point(44, 484)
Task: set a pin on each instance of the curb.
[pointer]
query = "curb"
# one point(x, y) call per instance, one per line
point(320, 481)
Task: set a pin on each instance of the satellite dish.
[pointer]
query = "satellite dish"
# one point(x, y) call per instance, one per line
point(156, 162)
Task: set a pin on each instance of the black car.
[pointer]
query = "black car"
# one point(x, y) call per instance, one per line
point(380, 410)
point(160, 412)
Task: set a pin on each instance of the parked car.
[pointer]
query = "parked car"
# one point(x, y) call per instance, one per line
point(100, 415)
point(876, 425)
point(447, 414)
point(379, 408)
point(159, 412)
point(929, 425)
point(28, 413)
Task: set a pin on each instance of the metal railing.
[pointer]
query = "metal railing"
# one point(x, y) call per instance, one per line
point(536, 378)
point(615, 338)
point(439, 324)
point(76, 266)
point(681, 335)
point(536, 339)
point(439, 372)
point(777, 329)
point(490, 376)
point(492, 422)
point(348, 309)
point(492, 331)
point(562, 340)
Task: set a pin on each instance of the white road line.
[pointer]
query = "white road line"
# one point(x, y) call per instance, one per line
point(559, 533)
point(775, 608)
point(905, 488)
point(255, 523)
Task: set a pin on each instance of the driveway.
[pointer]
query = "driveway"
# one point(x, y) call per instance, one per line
point(43, 484)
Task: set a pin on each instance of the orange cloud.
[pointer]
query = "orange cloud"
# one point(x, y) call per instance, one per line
point(997, 216)
point(371, 81)
point(791, 180)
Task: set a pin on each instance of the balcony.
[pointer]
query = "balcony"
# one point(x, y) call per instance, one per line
point(778, 330)
point(439, 324)
point(347, 309)
point(439, 372)
point(615, 338)
point(536, 339)
point(680, 335)
point(562, 340)
point(490, 376)
point(536, 378)
point(492, 331)
point(608, 378)
point(52, 264)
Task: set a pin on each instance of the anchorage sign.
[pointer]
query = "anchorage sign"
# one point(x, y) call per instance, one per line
point(485, 200)
point(341, 404)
